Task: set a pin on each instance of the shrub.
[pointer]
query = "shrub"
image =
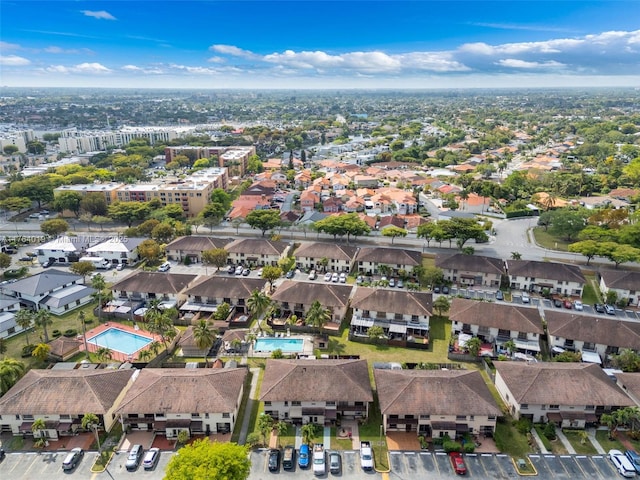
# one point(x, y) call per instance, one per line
point(469, 447)
point(56, 333)
point(438, 441)
point(71, 332)
point(27, 350)
point(523, 425)
point(16, 272)
point(452, 446)
point(550, 431)
point(187, 260)
point(87, 321)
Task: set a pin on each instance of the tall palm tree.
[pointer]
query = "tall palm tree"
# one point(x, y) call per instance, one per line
point(43, 319)
point(104, 354)
point(90, 421)
point(24, 318)
point(282, 428)
point(98, 283)
point(145, 355)
point(318, 316)
point(154, 347)
point(258, 303)
point(204, 337)
point(10, 372)
point(37, 427)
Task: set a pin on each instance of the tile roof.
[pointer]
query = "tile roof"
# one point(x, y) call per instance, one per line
point(325, 250)
point(226, 287)
point(42, 392)
point(178, 390)
point(154, 282)
point(434, 392)
point(630, 382)
point(604, 331)
point(305, 293)
point(392, 301)
point(316, 380)
point(256, 246)
point(197, 243)
point(42, 282)
point(621, 279)
point(389, 256)
point(559, 383)
point(470, 263)
point(496, 315)
point(541, 270)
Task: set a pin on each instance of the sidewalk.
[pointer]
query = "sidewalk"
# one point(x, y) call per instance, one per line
point(242, 438)
point(592, 438)
point(565, 441)
point(536, 437)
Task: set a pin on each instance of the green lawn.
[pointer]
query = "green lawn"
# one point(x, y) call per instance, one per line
point(339, 443)
point(242, 410)
point(545, 441)
point(602, 436)
point(371, 431)
point(509, 440)
point(576, 440)
point(590, 294)
point(551, 242)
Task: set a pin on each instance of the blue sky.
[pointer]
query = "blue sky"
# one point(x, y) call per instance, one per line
point(319, 44)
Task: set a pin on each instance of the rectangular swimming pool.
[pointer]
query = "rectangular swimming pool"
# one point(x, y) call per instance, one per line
point(120, 341)
point(285, 345)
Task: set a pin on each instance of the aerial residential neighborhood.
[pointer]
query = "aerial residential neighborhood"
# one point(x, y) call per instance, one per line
point(409, 288)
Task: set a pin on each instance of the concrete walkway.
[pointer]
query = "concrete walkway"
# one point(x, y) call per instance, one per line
point(536, 437)
point(565, 442)
point(327, 438)
point(592, 438)
point(251, 401)
point(298, 437)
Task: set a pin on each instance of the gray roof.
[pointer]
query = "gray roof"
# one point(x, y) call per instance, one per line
point(389, 256)
point(7, 321)
point(195, 243)
point(544, 270)
point(67, 295)
point(621, 279)
point(42, 282)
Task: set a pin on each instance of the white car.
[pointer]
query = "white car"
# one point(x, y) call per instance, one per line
point(343, 278)
point(577, 305)
point(312, 275)
point(239, 270)
point(327, 277)
point(622, 463)
point(335, 277)
point(525, 298)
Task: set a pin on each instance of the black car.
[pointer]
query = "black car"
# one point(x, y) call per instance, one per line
point(445, 290)
point(557, 302)
point(598, 307)
point(274, 460)
point(436, 289)
point(2, 454)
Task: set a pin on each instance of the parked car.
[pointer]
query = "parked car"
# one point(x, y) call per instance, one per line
point(343, 278)
point(25, 259)
point(436, 289)
point(274, 460)
point(335, 463)
point(400, 284)
point(120, 267)
point(392, 282)
point(151, 458)
point(72, 459)
point(557, 303)
point(2, 454)
point(622, 463)
point(303, 456)
point(288, 457)
point(568, 304)
point(634, 458)
point(246, 272)
point(134, 458)
point(499, 295)
point(609, 309)
point(457, 462)
point(335, 277)
point(164, 267)
point(327, 277)
point(445, 290)
point(259, 272)
point(312, 275)
point(598, 307)
point(290, 274)
point(47, 264)
point(239, 270)
point(231, 270)
point(577, 305)
point(526, 298)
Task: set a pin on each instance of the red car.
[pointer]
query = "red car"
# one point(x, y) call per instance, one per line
point(457, 463)
point(568, 304)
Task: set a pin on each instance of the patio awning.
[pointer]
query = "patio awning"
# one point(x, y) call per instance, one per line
point(63, 427)
point(559, 416)
point(178, 423)
point(331, 414)
point(397, 328)
point(532, 346)
point(196, 426)
point(443, 426)
point(161, 425)
point(362, 322)
point(591, 357)
point(26, 426)
point(198, 307)
point(462, 428)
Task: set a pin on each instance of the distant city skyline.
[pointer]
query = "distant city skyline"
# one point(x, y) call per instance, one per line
point(319, 44)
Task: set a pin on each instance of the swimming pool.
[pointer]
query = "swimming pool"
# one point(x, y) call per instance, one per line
point(285, 345)
point(120, 341)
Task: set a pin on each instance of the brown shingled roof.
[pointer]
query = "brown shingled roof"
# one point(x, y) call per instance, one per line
point(497, 315)
point(328, 250)
point(621, 279)
point(559, 383)
point(196, 243)
point(227, 287)
point(471, 263)
point(256, 246)
point(392, 301)
point(389, 256)
point(434, 392)
point(316, 380)
point(154, 282)
point(178, 390)
point(51, 392)
point(605, 331)
point(551, 270)
point(329, 295)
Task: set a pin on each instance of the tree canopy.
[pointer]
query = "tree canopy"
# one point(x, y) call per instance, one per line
point(264, 219)
point(204, 460)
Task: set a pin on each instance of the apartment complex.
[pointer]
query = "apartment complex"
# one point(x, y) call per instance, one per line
point(236, 159)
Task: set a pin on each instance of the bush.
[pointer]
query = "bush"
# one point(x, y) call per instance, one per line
point(523, 426)
point(87, 321)
point(16, 272)
point(56, 333)
point(452, 446)
point(71, 332)
point(27, 350)
point(438, 441)
point(550, 431)
point(469, 447)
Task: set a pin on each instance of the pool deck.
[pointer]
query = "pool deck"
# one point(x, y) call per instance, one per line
point(115, 354)
point(307, 346)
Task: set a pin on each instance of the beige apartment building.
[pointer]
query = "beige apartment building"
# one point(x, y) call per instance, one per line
point(109, 190)
point(236, 159)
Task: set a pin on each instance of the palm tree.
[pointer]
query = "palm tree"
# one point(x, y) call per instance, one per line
point(154, 347)
point(10, 372)
point(90, 421)
point(204, 337)
point(473, 346)
point(282, 428)
point(104, 354)
point(265, 425)
point(37, 427)
point(309, 432)
point(258, 303)
point(510, 345)
point(317, 315)
point(144, 355)
point(24, 318)
point(99, 284)
point(43, 319)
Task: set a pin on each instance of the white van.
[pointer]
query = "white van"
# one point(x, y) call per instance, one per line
point(622, 463)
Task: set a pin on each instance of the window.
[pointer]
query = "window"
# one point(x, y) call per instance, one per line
point(226, 415)
point(295, 403)
point(267, 404)
point(331, 404)
point(365, 313)
point(589, 407)
point(461, 417)
point(195, 415)
point(554, 407)
point(425, 417)
point(524, 406)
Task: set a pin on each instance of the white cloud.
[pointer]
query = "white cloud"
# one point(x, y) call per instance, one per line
point(82, 68)
point(232, 50)
point(515, 63)
point(216, 60)
point(6, 46)
point(13, 61)
point(100, 15)
point(72, 51)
